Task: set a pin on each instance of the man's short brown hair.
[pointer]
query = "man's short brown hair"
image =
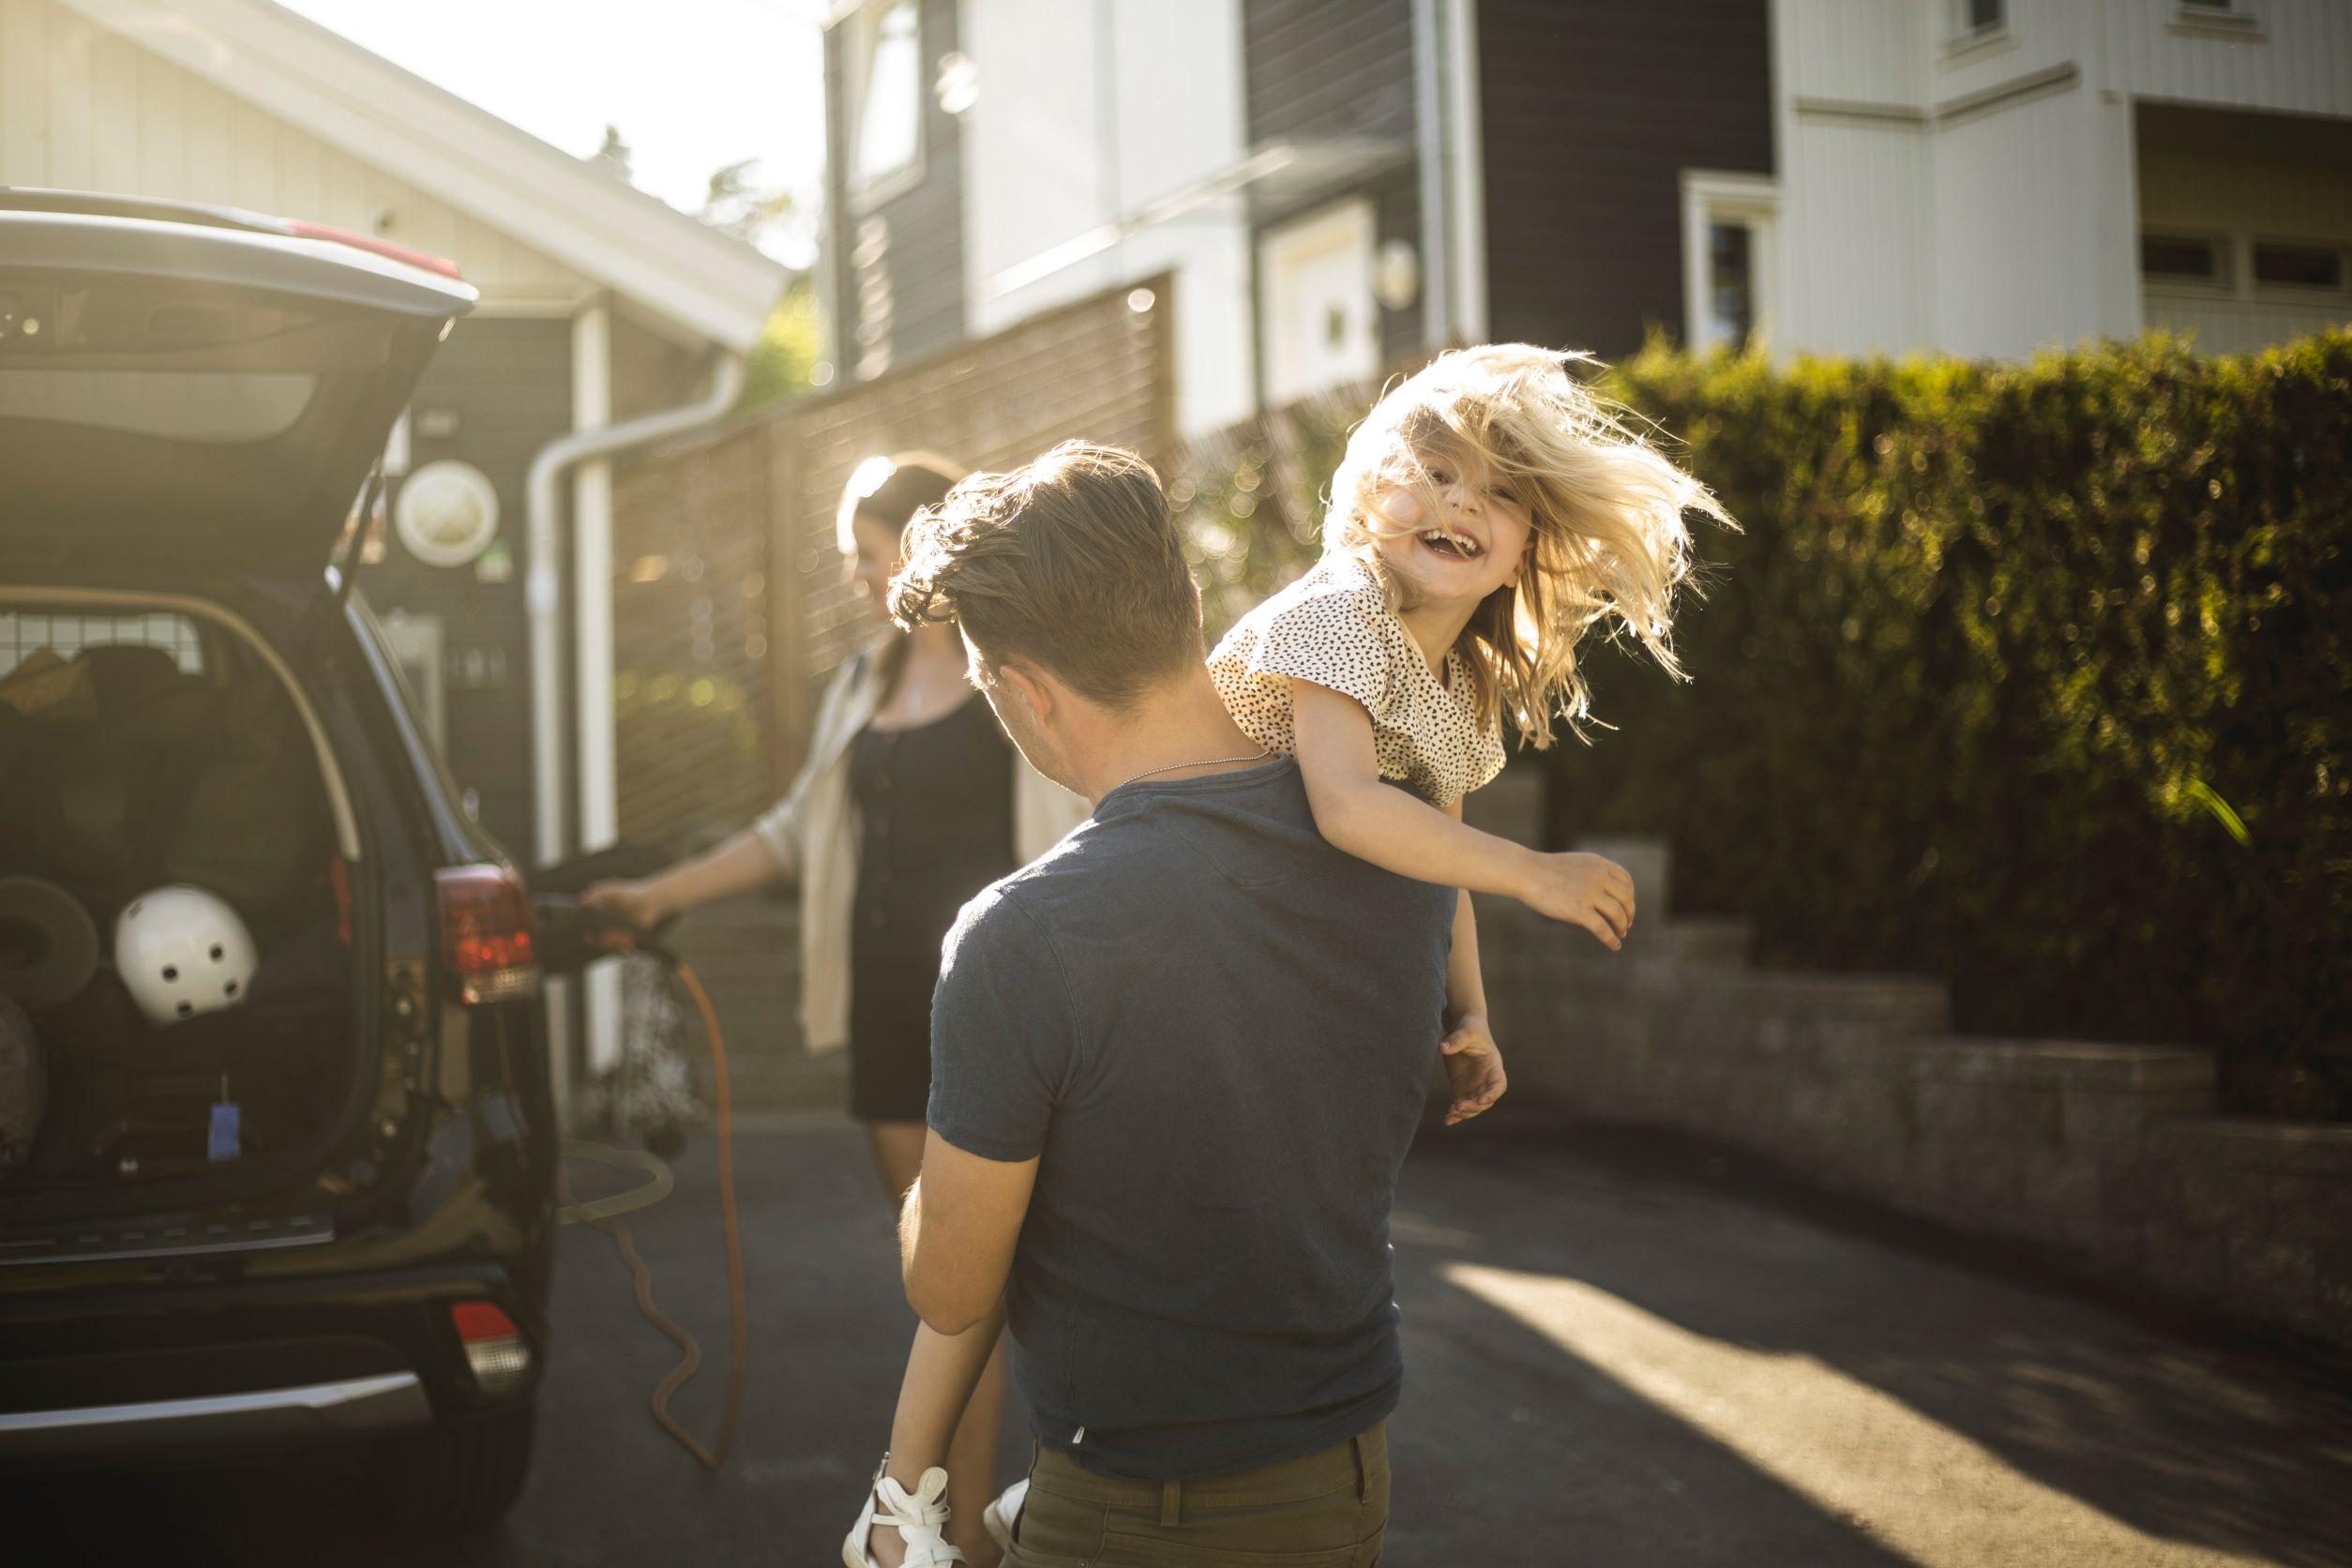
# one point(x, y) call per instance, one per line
point(1071, 564)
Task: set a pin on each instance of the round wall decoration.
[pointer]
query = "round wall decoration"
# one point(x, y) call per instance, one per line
point(447, 512)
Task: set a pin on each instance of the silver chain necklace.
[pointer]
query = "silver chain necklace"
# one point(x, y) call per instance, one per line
point(1205, 762)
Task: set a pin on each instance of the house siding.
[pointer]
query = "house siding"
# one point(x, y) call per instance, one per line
point(909, 247)
point(1328, 70)
point(85, 108)
point(748, 510)
point(1591, 112)
point(508, 382)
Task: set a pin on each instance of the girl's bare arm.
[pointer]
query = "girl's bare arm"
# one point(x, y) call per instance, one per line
point(943, 1369)
point(1474, 1066)
point(1376, 822)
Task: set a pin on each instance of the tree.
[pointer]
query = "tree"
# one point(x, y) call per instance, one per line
point(782, 363)
point(739, 206)
point(613, 156)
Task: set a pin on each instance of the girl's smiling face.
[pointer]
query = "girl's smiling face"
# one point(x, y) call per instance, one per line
point(1474, 542)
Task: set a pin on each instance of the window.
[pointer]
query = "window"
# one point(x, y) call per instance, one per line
point(2298, 266)
point(2182, 259)
point(1727, 225)
point(2232, 17)
point(1972, 18)
point(883, 61)
point(1320, 322)
point(1731, 284)
point(57, 639)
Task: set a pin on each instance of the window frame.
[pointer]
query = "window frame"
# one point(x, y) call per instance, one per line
point(2227, 17)
point(1349, 224)
point(1964, 33)
point(2225, 247)
point(860, 30)
point(2340, 248)
point(1711, 196)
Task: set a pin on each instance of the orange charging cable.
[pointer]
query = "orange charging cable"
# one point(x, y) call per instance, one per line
point(690, 1359)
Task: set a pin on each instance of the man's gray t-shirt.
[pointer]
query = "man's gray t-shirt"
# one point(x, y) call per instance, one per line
point(1214, 1032)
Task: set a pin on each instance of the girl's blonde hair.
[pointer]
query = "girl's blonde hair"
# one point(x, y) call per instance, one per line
point(1606, 512)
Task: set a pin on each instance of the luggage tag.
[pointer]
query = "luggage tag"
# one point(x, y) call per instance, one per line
point(221, 1141)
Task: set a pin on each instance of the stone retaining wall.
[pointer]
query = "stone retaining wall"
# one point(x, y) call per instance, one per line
point(2109, 1153)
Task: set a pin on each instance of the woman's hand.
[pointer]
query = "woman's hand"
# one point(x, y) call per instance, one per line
point(1583, 890)
point(1473, 1068)
point(639, 904)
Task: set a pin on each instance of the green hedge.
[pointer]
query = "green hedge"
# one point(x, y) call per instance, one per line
point(2033, 676)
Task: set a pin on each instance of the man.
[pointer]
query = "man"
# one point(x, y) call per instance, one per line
point(1177, 1064)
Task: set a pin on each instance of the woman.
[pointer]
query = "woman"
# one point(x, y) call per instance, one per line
point(911, 802)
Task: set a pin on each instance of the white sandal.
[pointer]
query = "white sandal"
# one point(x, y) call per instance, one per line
point(920, 1519)
point(1003, 1513)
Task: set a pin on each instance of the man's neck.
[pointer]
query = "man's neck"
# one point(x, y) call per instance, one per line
point(1179, 731)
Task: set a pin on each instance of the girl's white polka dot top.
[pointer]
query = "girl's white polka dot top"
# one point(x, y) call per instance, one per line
point(1333, 627)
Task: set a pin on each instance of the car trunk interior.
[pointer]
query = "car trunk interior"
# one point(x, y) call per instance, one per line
point(142, 748)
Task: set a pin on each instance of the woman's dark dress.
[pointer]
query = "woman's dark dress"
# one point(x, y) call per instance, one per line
point(935, 805)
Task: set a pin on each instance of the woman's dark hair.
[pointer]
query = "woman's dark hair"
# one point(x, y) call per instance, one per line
point(893, 492)
point(890, 491)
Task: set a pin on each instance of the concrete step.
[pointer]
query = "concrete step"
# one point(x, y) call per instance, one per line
point(1708, 942)
point(778, 1081)
point(746, 954)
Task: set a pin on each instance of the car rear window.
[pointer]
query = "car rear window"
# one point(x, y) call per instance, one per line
point(201, 363)
point(24, 634)
point(208, 406)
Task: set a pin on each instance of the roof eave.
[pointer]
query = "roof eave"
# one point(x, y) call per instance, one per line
point(719, 287)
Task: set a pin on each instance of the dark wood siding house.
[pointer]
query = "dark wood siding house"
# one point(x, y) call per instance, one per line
point(895, 252)
point(1334, 79)
point(490, 398)
point(1409, 172)
point(1589, 113)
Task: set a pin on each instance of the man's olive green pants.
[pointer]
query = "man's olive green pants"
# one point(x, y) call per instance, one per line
point(1329, 1510)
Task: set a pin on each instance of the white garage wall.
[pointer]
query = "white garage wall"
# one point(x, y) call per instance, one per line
point(82, 108)
point(1086, 117)
point(2017, 237)
point(1981, 196)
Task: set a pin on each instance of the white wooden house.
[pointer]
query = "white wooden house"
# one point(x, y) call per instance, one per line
point(1992, 176)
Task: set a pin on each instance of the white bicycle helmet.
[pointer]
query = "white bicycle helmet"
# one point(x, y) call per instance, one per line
point(181, 951)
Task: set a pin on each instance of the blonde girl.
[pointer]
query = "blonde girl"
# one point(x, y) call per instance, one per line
point(1488, 511)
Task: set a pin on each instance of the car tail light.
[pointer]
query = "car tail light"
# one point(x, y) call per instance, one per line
point(495, 1348)
point(486, 942)
point(369, 243)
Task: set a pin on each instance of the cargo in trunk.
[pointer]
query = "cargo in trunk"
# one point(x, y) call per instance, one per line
point(141, 752)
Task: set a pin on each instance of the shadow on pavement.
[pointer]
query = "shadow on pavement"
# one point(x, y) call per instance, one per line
point(2174, 1424)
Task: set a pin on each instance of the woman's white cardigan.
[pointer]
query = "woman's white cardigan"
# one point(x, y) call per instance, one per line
point(813, 832)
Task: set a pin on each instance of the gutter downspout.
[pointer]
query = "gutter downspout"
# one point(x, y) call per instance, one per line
point(1437, 287)
point(1465, 123)
point(543, 603)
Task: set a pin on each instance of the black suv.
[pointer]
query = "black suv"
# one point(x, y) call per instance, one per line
point(321, 1206)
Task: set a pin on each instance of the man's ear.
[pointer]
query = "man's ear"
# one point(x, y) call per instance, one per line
point(1032, 689)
